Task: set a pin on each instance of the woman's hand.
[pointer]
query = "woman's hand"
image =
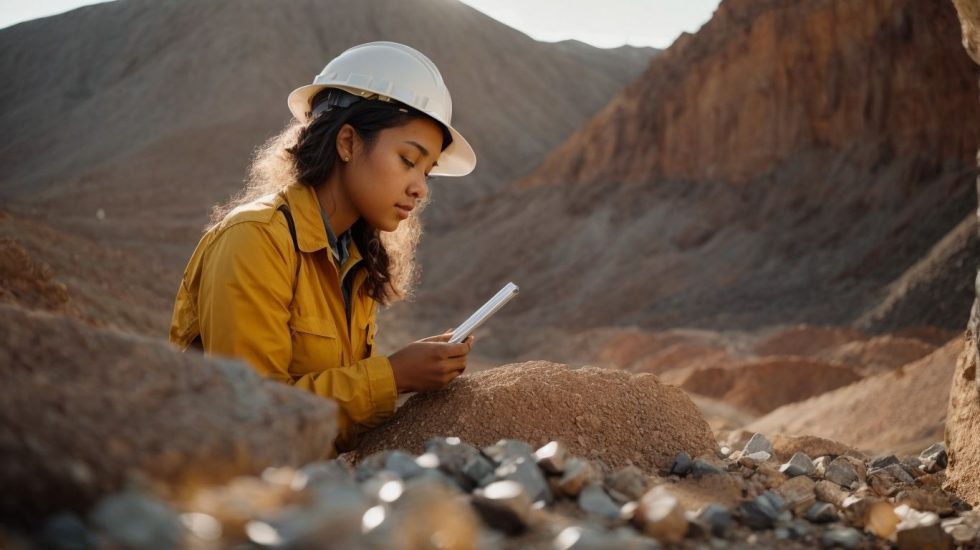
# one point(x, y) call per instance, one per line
point(430, 363)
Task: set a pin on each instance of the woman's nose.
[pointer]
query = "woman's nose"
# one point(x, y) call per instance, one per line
point(419, 189)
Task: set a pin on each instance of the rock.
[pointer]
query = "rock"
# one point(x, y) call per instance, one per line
point(65, 531)
point(888, 480)
point(841, 537)
point(799, 465)
point(798, 494)
point(681, 465)
point(334, 510)
point(509, 449)
point(963, 529)
point(702, 467)
point(660, 515)
point(716, 518)
point(594, 500)
point(841, 472)
point(578, 472)
point(883, 461)
point(504, 506)
point(934, 458)
point(403, 464)
point(753, 459)
point(920, 530)
point(828, 491)
point(969, 14)
point(756, 443)
point(133, 520)
point(760, 512)
point(125, 404)
point(663, 420)
point(926, 501)
point(551, 457)
point(881, 519)
point(464, 463)
point(524, 471)
point(820, 466)
point(821, 512)
point(786, 446)
point(630, 482)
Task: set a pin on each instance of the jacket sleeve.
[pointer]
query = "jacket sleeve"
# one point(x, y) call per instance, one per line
point(244, 298)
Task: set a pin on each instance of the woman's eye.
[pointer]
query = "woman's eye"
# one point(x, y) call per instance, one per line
point(408, 163)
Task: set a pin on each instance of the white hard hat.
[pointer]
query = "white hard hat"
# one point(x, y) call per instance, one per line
point(397, 72)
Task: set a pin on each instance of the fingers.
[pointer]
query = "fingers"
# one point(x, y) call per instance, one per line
point(439, 338)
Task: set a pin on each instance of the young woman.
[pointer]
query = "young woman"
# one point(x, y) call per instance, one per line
point(289, 274)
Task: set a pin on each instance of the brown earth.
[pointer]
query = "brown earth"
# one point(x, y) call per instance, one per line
point(963, 425)
point(878, 354)
point(899, 411)
point(761, 385)
point(29, 283)
point(806, 340)
point(85, 410)
point(608, 415)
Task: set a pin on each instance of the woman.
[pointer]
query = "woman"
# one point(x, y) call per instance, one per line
point(289, 274)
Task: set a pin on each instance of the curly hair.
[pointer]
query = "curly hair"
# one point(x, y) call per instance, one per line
point(305, 154)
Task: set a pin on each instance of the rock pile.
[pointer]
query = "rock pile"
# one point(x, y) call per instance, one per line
point(509, 495)
point(83, 408)
point(620, 418)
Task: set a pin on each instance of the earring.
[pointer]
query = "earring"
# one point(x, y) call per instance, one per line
point(347, 159)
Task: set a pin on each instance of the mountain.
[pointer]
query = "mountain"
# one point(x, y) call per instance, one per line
point(787, 163)
point(126, 121)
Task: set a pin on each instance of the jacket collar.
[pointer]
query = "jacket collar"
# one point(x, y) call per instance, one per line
point(311, 235)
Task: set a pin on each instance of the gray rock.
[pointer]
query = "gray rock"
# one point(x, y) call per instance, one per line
point(66, 531)
point(681, 465)
point(403, 464)
point(504, 506)
point(460, 461)
point(934, 458)
point(883, 461)
point(509, 449)
point(798, 465)
point(841, 472)
point(841, 537)
point(578, 472)
point(334, 513)
point(594, 500)
point(524, 471)
point(760, 512)
point(701, 468)
point(134, 520)
point(326, 472)
point(756, 443)
point(716, 518)
point(821, 512)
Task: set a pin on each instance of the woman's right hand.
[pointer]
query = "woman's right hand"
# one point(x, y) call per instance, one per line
point(430, 363)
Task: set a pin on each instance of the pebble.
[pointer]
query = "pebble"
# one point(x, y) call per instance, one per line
point(681, 465)
point(934, 458)
point(798, 494)
point(756, 443)
point(883, 461)
point(66, 531)
point(504, 506)
point(135, 520)
point(403, 464)
point(716, 518)
point(578, 472)
point(760, 512)
point(524, 471)
point(926, 501)
point(628, 481)
point(551, 457)
point(755, 458)
point(660, 515)
point(701, 468)
point(821, 512)
point(963, 529)
point(820, 465)
point(841, 472)
point(881, 519)
point(841, 537)
point(462, 462)
point(798, 465)
point(511, 449)
point(594, 500)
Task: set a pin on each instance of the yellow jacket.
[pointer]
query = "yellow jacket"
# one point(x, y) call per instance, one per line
point(237, 294)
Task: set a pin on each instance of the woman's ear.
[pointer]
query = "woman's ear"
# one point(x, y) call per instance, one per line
point(345, 142)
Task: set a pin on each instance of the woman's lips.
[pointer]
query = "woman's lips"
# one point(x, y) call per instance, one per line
point(403, 211)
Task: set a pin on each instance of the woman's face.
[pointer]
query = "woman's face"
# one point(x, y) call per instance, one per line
point(384, 182)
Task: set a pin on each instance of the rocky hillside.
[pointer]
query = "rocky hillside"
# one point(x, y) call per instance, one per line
point(148, 112)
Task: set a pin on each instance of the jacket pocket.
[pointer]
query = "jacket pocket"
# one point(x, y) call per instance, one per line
point(316, 345)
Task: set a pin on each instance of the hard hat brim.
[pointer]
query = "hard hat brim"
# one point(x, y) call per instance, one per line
point(458, 159)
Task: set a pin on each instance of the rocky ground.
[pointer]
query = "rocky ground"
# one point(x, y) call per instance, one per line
point(509, 495)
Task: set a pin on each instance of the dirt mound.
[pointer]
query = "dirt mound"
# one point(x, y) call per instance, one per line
point(806, 340)
point(27, 282)
point(610, 415)
point(721, 416)
point(761, 385)
point(879, 354)
point(903, 410)
point(81, 408)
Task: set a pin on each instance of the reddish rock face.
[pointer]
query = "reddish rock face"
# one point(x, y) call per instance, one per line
point(963, 416)
point(83, 411)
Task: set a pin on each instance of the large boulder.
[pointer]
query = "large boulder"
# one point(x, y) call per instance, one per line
point(963, 423)
point(84, 411)
point(610, 415)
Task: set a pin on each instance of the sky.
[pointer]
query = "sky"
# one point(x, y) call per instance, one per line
point(602, 23)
